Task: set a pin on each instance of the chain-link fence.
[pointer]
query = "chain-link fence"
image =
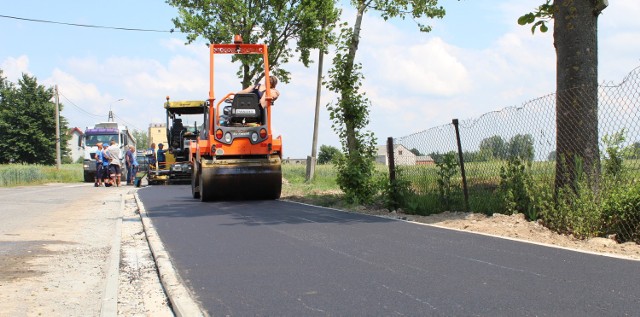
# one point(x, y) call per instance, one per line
point(505, 161)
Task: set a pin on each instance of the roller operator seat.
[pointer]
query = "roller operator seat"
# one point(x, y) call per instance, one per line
point(176, 132)
point(245, 109)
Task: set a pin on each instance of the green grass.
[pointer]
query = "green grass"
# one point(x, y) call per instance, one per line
point(295, 179)
point(321, 191)
point(19, 175)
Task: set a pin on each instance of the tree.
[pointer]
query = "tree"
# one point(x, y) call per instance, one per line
point(350, 112)
point(471, 156)
point(493, 148)
point(142, 139)
point(521, 146)
point(576, 43)
point(436, 156)
point(416, 152)
point(273, 22)
point(328, 154)
point(27, 123)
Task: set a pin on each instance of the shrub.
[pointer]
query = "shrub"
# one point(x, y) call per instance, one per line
point(614, 153)
point(621, 213)
point(518, 191)
point(395, 193)
point(355, 178)
point(447, 169)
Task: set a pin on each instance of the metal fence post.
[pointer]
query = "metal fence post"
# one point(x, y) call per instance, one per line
point(395, 203)
point(392, 163)
point(464, 176)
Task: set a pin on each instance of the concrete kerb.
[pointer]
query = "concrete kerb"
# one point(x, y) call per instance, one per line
point(109, 305)
point(182, 302)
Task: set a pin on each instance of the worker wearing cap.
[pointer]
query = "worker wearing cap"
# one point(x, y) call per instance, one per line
point(162, 158)
point(99, 158)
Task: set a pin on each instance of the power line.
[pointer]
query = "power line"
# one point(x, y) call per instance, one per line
point(98, 116)
point(120, 119)
point(126, 123)
point(89, 25)
point(79, 108)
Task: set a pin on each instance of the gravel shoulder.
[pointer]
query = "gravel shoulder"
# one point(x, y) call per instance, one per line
point(140, 291)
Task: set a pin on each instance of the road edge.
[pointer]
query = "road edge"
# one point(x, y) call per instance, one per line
point(392, 216)
point(181, 300)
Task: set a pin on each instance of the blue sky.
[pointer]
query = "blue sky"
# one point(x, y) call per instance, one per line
point(476, 60)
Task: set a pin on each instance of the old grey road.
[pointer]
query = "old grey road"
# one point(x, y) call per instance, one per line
point(277, 258)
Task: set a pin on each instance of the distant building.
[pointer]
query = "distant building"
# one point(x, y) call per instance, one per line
point(294, 161)
point(402, 155)
point(157, 134)
point(75, 150)
point(424, 160)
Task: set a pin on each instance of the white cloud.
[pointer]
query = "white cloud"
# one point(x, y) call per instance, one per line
point(74, 88)
point(13, 68)
point(424, 68)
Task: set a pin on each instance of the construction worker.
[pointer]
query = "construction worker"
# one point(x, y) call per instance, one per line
point(132, 164)
point(151, 154)
point(162, 158)
point(105, 166)
point(115, 167)
point(259, 90)
point(99, 159)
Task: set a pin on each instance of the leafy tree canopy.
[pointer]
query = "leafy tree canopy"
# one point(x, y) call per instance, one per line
point(493, 148)
point(521, 146)
point(328, 154)
point(27, 123)
point(273, 22)
point(142, 139)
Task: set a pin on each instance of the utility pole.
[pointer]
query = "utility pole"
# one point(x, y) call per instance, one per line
point(58, 158)
point(110, 119)
point(311, 160)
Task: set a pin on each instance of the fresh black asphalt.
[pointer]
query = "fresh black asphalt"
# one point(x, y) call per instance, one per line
point(277, 258)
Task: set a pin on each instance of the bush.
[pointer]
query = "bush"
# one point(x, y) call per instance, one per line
point(356, 179)
point(447, 169)
point(621, 213)
point(395, 193)
point(518, 191)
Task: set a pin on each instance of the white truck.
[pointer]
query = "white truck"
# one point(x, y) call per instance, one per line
point(103, 132)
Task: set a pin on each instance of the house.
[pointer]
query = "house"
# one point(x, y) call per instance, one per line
point(75, 150)
point(294, 161)
point(402, 155)
point(424, 160)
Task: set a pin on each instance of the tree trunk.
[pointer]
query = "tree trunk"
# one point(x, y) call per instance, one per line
point(576, 42)
point(352, 145)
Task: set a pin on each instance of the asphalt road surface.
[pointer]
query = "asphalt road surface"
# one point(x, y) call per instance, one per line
point(277, 258)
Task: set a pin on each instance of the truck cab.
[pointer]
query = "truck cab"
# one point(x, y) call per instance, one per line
point(103, 133)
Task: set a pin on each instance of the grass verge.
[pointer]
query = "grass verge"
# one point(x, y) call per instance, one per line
point(20, 175)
